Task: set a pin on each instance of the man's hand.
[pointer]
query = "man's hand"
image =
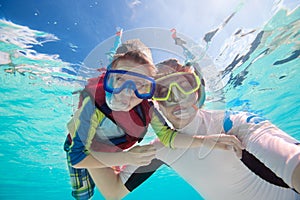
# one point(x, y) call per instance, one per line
point(222, 141)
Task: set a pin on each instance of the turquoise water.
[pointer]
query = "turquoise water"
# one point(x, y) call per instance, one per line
point(267, 80)
point(36, 103)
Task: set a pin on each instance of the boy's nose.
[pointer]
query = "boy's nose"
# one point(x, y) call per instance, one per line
point(127, 92)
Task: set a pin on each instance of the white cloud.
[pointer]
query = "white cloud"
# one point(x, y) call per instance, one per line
point(133, 4)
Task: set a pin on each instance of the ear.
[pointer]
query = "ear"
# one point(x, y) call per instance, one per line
point(162, 108)
point(196, 97)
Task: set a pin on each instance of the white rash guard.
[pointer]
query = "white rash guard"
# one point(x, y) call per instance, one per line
point(219, 174)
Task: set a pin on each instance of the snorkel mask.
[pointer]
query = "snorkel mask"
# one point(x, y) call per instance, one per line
point(184, 82)
point(117, 81)
point(179, 87)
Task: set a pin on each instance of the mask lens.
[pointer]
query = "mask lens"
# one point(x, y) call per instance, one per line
point(186, 83)
point(118, 80)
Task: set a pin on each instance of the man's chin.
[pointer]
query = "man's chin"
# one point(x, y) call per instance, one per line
point(183, 114)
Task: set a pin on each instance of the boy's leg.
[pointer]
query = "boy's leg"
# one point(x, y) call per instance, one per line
point(82, 183)
point(108, 183)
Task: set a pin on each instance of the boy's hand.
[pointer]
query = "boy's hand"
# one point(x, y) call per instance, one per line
point(140, 155)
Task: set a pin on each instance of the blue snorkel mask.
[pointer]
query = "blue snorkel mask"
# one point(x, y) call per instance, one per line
point(116, 81)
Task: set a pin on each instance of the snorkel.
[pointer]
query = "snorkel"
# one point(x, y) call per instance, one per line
point(110, 56)
point(192, 61)
point(112, 52)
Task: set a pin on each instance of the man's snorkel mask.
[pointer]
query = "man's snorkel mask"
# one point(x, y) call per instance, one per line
point(177, 84)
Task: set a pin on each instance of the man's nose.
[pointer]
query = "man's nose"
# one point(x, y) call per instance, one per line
point(176, 95)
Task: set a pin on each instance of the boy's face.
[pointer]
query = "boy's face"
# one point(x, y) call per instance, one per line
point(126, 99)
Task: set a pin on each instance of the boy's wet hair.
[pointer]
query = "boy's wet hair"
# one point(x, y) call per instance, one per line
point(137, 57)
point(134, 45)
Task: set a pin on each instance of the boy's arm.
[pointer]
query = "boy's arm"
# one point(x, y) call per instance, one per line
point(83, 129)
point(91, 162)
point(170, 137)
point(138, 155)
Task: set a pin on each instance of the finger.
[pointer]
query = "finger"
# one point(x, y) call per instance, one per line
point(226, 143)
point(237, 143)
point(147, 154)
point(141, 160)
point(238, 153)
point(141, 149)
point(140, 155)
point(221, 146)
point(147, 159)
point(147, 148)
point(144, 153)
point(231, 145)
point(231, 138)
point(134, 149)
